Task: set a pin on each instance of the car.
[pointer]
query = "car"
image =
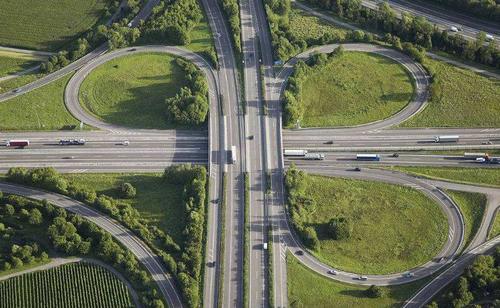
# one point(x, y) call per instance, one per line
point(395, 155)
point(329, 142)
point(453, 29)
point(408, 275)
point(125, 142)
point(250, 137)
point(211, 264)
point(132, 49)
point(299, 253)
point(16, 90)
point(489, 38)
point(332, 272)
point(362, 278)
point(72, 142)
point(357, 169)
point(68, 157)
point(486, 142)
point(442, 259)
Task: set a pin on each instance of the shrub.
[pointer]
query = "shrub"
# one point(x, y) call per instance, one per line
point(340, 228)
point(374, 292)
point(127, 191)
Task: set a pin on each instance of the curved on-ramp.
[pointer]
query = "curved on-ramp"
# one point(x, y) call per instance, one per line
point(151, 261)
point(450, 249)
point(71, 94)
point(417, 72)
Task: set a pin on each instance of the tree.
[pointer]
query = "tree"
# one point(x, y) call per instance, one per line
point(340, 228)
point(35, 217)
point(127, 191)
point(374, 292)
point(9, 209)
point(463, 296)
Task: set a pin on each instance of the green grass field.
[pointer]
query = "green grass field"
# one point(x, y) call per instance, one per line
point(395, 229)
point(11, 62)
point(40, 109)
point(353, 89)
point(459, 98)
point(70, 285)
point(307, 27)
point(308, 289)
point(158, 202)
point(495, 227)
point(47, 25)
point(201, 37)
point(131, 90)
point(473, 176)
point(472, 207)
point(11, 84)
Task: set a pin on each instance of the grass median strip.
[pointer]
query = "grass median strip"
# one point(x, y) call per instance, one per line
point(222, 246)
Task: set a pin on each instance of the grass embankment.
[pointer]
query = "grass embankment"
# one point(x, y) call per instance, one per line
point(459, 98)
point(131, 90)
point(495, 226)
point(40, 109)
point(353, 89)
point(308, 289)
point(393, 230)
point(472, 176)
point(47, 25)
point(472, 207)
point(11, 84)
point(12, 62)
point(82, 283)
point(311, 28)
point(157, 202)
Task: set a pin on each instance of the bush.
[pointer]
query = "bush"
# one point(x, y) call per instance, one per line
point(127, 191)
point(340, 228)
point(374, 292)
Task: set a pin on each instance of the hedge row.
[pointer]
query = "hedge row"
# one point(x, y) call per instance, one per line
point(231, 10)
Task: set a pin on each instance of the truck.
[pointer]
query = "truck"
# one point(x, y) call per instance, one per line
point(295, 152)
point(233, 154)
point(475, 155)
point(373, 157)
point(17, 143)
point(314, 156)
point(495, 160)
point(449, 138)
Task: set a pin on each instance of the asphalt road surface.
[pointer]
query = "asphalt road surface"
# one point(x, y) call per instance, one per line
point(150, 261)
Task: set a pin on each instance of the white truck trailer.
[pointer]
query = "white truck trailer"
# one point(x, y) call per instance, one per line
point(300, 153)
point(449, 138)
point(233, 154)
point(314, 156)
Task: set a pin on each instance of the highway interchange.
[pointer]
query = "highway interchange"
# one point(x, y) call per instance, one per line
point(231, 123)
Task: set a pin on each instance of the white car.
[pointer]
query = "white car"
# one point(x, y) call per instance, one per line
point(453, 29)
point(408, 275)
point(489, 37)
point(362, 278)
point(125, 142)
point(332, 272)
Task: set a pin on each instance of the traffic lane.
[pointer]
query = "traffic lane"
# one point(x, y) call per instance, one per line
point(118, 145)
point(343, 132)
point(449, 250)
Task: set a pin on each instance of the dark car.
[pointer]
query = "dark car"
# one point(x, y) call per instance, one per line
point(395, 155)
point(357, 169)
point(299, 253)
point(72, 141)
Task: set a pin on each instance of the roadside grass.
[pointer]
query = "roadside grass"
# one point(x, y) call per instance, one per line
point(472, 207)
point(472, 176)
point(459, 98)
point(40, 109)
point(308, 289)
point(201, 37)
point(353, 89)
point(11, 84)
point(11, 62)
point(495, 227)
point(308, 27)
point(82, 283)
point(131, 90)
point(47, 25)
point(395, 229)
point(157, 202)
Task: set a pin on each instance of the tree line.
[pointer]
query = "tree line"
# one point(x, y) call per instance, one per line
point(489, 9)
point(478, 286)
point(415, 30)
point(69, 234)
point(184, 260)
point(189, 106)
point(231, 9)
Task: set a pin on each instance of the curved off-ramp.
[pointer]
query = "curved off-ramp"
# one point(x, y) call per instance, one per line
point(450, 249)
point(71, 94)
point(151, 261)
point(417, 72)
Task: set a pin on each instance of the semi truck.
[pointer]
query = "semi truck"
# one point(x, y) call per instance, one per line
point(17, 143)
point(373, 157)
point(295, 153)
point(314, 156)
point(450, 138)
point(475, 155)
point(233, 154)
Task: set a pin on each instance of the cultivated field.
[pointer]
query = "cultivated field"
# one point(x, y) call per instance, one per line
point(355, 88)
point(473, 176)
point(71, 285)
point(308, 289)
point(459, 98)
point(393, 230)
point(131, 90)
point(11, 62)
point(40, 109)
point(47, 25)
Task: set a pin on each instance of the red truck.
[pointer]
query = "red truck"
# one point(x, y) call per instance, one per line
point(18, 143)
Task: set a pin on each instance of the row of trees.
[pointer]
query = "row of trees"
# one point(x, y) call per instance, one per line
point(416, 30)
point(72, 235)
point(190, 105)
point(489, 9)
point(231, 9)
point(480, 283)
